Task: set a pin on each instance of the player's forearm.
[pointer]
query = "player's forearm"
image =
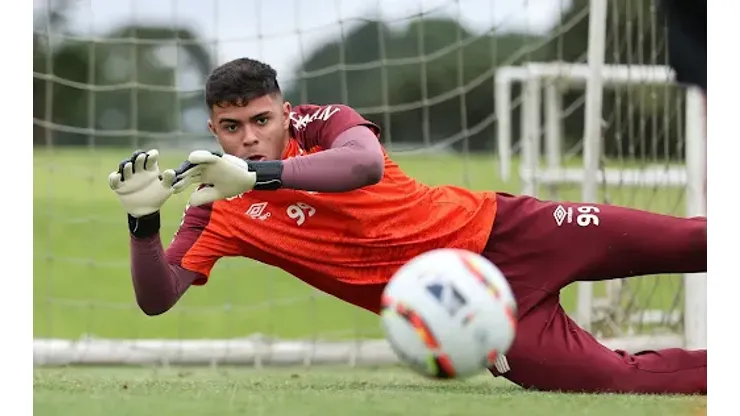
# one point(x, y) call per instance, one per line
point(354, 161)
point(157, 284)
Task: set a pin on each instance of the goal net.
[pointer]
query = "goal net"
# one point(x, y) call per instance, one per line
point(555, 98)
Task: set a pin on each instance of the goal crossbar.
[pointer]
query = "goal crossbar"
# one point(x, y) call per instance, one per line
point(253, 351)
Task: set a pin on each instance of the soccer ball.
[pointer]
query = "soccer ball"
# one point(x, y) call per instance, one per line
point(448, 313)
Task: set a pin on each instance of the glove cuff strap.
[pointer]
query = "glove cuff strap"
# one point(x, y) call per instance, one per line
point(144, 227)
point(269, 174)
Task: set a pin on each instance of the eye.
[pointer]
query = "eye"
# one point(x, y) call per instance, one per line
point(262, 121)
point(230, 128)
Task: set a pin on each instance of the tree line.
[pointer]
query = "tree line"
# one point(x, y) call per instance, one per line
point(430, 82)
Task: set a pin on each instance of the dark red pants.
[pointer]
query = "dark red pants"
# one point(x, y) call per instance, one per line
point(543, 246)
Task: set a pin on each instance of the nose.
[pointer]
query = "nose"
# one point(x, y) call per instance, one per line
point(250, 138)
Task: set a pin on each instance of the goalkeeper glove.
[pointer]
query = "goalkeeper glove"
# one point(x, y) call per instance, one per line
point(225, 176)
point(142, 190)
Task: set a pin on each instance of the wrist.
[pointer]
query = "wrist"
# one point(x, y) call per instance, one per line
point(269, 174)
point(145, 226)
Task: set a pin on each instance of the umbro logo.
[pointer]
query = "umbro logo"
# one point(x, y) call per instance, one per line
point(562, 214)
point(257, 211)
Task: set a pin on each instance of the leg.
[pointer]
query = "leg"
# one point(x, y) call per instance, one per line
point(542, 245)
point(551, 353)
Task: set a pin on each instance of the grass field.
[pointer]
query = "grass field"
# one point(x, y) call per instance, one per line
point(82, 286)
point(81, 276)
point(319, 392)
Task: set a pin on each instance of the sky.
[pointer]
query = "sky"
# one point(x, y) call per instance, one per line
point(281, 31)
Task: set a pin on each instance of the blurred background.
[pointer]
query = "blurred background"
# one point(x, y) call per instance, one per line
point(452, 82)
point(131, 73)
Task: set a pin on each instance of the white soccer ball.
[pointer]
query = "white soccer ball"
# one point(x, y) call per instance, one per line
point(449, 313)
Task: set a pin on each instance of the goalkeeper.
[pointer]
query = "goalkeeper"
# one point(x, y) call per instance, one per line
point(309, 189)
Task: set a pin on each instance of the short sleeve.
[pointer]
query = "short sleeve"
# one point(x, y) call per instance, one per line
point(200, 241)
point(320, 125)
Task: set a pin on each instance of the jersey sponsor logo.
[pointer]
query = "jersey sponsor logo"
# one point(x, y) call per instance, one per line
point(561, 214)
point(257, 211)
point(323, 114)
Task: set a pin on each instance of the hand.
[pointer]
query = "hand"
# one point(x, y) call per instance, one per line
point(224, 176)
point(140, 186)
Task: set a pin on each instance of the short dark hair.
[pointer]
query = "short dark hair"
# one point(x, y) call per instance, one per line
point(239, 81)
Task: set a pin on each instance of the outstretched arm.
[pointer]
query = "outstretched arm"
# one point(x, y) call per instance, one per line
point(161, 277)
point(354, 160)
point(142, 190)
point(157, 284)
point(350, 158)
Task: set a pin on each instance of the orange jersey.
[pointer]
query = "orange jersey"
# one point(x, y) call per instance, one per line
point(336, 242)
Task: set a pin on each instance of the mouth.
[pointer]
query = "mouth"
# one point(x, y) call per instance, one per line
point(256, 158)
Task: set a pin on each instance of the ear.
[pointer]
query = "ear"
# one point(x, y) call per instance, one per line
point(286, 115)
point(212, 128)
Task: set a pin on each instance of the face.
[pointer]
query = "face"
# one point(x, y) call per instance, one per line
point(256, 131)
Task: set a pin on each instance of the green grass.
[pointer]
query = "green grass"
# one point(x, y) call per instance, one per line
point(81, 275)
point(82, 286)
point(318, 391)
